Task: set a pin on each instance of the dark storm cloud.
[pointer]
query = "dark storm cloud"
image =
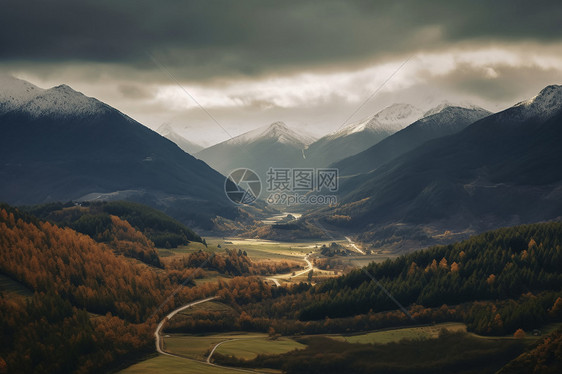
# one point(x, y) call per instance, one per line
point(210, 38)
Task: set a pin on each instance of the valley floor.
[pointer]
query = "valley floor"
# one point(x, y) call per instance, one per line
point(191, 353)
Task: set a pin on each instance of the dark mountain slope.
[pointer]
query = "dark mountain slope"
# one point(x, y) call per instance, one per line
point(447, 121)
point(502, 170)
point(359, 136)
point(275, 145)
point(62, 145)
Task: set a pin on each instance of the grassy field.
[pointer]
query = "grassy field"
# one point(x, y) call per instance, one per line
point(259, 249)
point(199, 346)
point(250, 348)
point(267, 250)
point(256, 249)
point(246, 345)
point(428, 332)
point(411, 333)
point(175, 365)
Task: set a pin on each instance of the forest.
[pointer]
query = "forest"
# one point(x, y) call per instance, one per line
point(91, 300)
point(93, 297)
point(496, 283)
point(92, 218)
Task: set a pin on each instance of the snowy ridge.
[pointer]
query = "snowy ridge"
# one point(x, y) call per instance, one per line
point(16, 94)
point(445, 114)
point(63, 101)
point(393, 118)
point(447, 104)
point(278, 131)
point(546, 104)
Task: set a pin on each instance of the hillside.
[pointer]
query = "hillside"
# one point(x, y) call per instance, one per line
point(60, 145)
point(92, 219)
point(71, 275)
point(545, 357)
point(513, 272)
point(504, 284)
point(499, 171)
point(275, 145)
point(92, 308)
point(358, 136)
point(441, 121)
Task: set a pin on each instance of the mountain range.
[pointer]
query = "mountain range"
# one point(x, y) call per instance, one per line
point(451, 169)
point(440, 121)
point(58, 144)
point(275, 145)
point(361, 135)
point(502, 170)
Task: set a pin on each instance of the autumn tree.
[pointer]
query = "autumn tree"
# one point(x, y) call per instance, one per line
point(519, 334)
point(454, 267)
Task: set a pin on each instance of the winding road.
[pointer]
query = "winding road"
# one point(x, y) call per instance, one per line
point(215, 348)
point(159, 340)
point(354, 245)
point(309, 267)
point(168, 317)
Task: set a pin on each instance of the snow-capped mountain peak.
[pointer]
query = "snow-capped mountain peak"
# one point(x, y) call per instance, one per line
point(439, 108)
point(63, 101)
point(547, 103)
point(447, 104)
point(278, 128)
point(16, 92)
point(393, 118)
point(453, 116)
point(57, 101)
point(277, 131)
point(398, 116)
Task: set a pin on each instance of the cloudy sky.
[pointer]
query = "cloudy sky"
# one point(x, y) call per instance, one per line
point(310, 64)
